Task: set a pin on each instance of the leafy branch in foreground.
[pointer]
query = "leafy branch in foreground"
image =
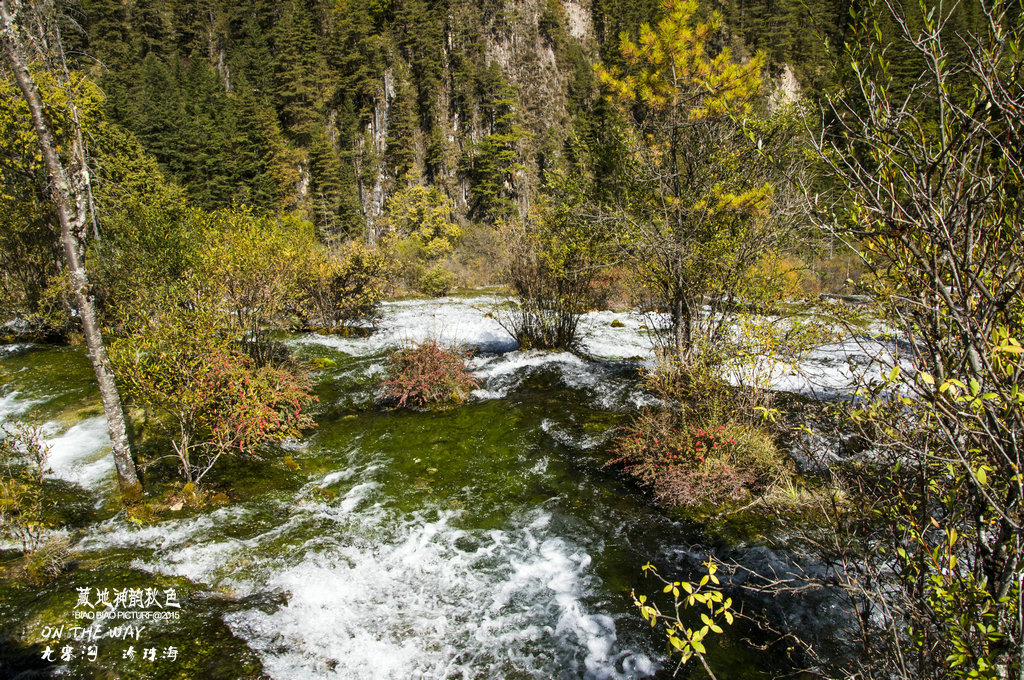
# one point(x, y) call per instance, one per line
point(930, 176)
point(688, 641)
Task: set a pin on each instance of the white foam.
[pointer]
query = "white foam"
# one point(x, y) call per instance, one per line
point(828, 370)
point(375, 593)
point(82, 453)
point(422, 606)
point(12, 406)
point(633, 340)
point(502, 374)
point(461, 322)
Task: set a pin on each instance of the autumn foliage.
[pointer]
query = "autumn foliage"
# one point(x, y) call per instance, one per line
point(206, 396)
point(685, 464)
point(427, 373)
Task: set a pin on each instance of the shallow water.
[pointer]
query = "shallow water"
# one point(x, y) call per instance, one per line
point(482, 541)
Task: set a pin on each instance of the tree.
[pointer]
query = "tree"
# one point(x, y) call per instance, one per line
point(69, 191)
point(552, 260)
point(33, 288)
point(251, 263)
point(492, 164)
point(700, 204)
point(421, 219)
point(931, 178)
point(296, 69)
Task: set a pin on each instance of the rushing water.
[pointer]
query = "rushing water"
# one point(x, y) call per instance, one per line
point(482, 541)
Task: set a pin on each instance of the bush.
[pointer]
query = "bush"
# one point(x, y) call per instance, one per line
point(203, 394)
point(436, 281)
point(689, 464)
point(344, 286)
point(23, 463)
point(552, 261)
point(252, 262)
point(427, 373)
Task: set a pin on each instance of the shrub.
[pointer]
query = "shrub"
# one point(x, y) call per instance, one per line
point(552, 261)
point(23, 457)
point(436, 281)
point(252, 262)
point(343, 286)
point(207, 397)
point(688, 464)
point(427, 373)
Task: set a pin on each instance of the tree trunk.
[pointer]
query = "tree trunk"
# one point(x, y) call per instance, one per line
point(682, 329)
point(72, 214)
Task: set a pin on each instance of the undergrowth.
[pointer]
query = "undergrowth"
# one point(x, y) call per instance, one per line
point(426, 373)
point(702, 446)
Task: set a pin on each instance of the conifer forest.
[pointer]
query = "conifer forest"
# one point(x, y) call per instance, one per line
point(508, 339)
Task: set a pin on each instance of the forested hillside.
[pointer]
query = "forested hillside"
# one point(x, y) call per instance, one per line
point(335, 105)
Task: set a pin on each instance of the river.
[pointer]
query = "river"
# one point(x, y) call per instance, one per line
point(486, 540)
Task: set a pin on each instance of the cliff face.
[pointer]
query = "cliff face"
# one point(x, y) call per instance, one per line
point(333, 105)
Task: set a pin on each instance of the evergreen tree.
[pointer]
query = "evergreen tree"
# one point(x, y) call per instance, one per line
point(493, 162)
point(357, 52)
point(297, 72)
point(400, 153)
point(326, 186)
point(420, 36)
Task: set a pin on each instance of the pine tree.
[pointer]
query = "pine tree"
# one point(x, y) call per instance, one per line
point(400, 153)
point(326, 185)
point(297, 70)
point(357, 53)
point(494, 160)
point(420, 35)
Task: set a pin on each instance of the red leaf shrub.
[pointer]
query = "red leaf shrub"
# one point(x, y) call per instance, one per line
point(207, 397)
point(685, 464)
point(427, 373)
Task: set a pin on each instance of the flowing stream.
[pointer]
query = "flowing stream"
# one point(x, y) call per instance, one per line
point(481, 541)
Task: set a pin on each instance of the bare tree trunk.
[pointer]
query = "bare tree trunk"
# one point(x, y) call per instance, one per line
point(72, 214)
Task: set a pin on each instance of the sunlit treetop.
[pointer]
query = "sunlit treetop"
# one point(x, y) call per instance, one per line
point(671, 70)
